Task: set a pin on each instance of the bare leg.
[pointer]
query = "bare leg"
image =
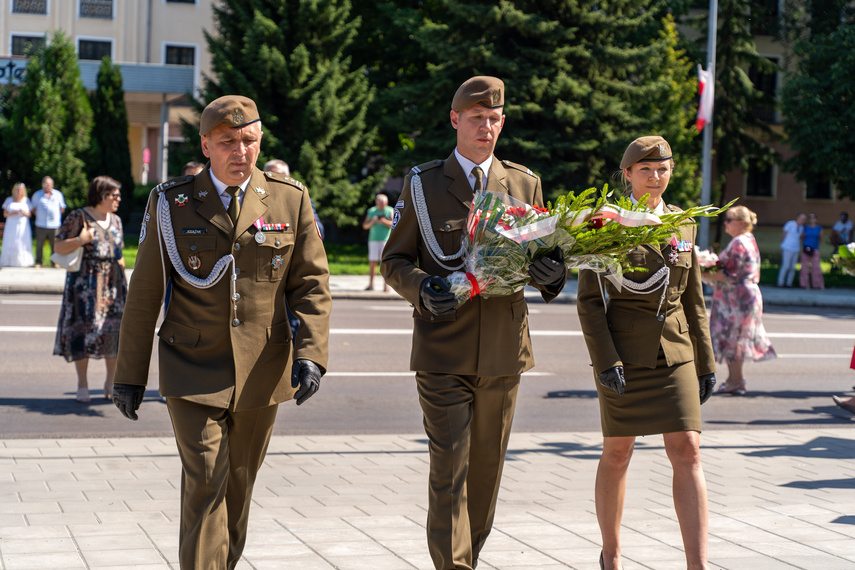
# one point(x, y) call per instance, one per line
point(111, 374)
point(690, 495)
point(609, 494)
point(735, 377)
point(372, 268)
point(81, 367)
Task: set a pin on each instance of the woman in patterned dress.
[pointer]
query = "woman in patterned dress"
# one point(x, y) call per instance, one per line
point(736, 317)
point(94, 296)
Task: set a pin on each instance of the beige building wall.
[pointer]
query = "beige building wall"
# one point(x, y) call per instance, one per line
point(139, 31)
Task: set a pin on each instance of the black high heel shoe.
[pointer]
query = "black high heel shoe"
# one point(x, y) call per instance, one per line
point(602, 564)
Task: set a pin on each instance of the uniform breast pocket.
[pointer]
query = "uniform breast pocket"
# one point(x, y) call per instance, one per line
point(198, 253)
point(448, 233)
point(273, 255)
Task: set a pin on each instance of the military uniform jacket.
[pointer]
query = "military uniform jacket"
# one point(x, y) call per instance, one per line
point(634, 327)
point(483, 337)
point(208, 352)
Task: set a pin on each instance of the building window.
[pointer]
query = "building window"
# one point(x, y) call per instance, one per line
point(26, 45)
point(760, 181)
point(821, 190)
point(100, 9)
point(764, 17)
point(767, 83)
point(29, 7)
point(180, 55)
point(94, 49)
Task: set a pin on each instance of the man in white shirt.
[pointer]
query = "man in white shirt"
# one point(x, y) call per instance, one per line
point(49, 206)
point(841, 232)
point(790, 247)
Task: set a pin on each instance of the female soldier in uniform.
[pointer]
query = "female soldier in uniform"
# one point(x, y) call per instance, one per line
point(651, 352)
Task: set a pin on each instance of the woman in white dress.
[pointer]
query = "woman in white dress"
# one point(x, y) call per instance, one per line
point(17, 248)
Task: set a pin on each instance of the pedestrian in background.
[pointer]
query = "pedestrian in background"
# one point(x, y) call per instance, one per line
point(736, 315)
point(841, 231)
point(192, 168)
point(467, 359)
point(93, 300)
point(791, 244)
point(810, 275)
point(49, 206)
point(17, 237)
point(652, 360)
point(237, 243)
point(378, 222)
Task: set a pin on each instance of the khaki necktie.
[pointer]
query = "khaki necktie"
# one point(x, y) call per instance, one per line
point(234, 204)
point(479, 178)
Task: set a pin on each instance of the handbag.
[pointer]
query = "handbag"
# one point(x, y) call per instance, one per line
point(807, 250)
point(70, 261)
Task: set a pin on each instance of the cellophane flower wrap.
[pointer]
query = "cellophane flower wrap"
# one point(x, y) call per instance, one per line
point(594, 230)
point(845, 258)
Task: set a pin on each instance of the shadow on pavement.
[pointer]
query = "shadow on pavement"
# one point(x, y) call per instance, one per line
point(65, 406)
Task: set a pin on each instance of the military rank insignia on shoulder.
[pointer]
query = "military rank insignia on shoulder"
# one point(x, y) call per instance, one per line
point(519, 167)
point(164, 186)
point(426, 166)
point(284, 179)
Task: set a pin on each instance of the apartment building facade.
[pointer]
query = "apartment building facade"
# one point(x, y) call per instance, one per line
point(158, 44)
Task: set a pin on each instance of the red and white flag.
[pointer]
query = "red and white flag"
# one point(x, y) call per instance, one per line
point(706, 89)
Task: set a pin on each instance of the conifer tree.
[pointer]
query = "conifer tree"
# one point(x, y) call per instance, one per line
point(50, 122)
point(110, 151)
point(292, 59)
point(581, 83)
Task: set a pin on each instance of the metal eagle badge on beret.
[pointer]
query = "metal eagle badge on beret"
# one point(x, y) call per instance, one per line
point(237, 116)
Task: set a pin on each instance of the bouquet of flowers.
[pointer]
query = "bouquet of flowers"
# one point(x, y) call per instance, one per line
point(593, 231)
point(708, 262)
point(845, 258)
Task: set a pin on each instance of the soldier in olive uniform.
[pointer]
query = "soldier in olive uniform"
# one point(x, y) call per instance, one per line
point(235, 243)
point(651, 351)
point(468, 361)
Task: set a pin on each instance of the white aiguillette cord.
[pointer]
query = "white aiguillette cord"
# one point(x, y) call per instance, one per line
point(658, 280)
point(423, 217)
point(164, 229)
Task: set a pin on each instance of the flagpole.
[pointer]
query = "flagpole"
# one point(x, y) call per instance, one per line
point(706, 181)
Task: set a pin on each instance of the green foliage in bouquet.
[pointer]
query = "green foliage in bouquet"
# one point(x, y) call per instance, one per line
point(845, 258)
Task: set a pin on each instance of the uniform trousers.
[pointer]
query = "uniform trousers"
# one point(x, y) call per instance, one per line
point(221, 452)
point(468, 423)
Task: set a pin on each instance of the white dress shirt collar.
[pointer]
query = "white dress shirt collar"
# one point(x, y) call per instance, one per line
point(467, 166)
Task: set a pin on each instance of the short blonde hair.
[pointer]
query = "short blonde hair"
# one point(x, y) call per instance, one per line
point(20, 185)
point(744, 214)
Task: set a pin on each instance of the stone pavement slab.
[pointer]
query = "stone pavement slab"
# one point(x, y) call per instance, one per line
point(778, 499)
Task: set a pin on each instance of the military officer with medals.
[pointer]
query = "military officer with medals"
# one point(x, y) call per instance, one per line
point(652, 356)
point(468, 360)
point(236, 244)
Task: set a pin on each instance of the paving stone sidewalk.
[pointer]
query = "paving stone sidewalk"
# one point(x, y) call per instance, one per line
point(778, 499)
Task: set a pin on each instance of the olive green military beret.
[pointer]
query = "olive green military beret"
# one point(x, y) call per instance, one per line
point(646, 149)
point(232, 110)
point(481, 90)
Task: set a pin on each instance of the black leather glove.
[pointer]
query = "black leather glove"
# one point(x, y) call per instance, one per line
point(548, 269)
point(128, 398)
point(706, 383)
point(436, 296)
point(613, 379)
point(307, 375)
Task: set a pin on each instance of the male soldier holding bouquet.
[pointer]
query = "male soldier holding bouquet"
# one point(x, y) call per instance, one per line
point(468, 360)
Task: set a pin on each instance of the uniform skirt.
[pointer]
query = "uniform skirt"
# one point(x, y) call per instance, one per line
point(656, 400)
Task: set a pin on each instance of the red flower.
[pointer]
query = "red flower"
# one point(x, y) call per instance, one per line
point(596, 223)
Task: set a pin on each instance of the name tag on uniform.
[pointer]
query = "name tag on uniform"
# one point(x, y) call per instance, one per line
point(194, 231)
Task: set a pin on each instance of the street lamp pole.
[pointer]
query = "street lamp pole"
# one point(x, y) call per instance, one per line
point(706, 184)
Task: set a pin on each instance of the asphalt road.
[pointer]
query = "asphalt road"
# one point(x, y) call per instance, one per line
point(369, 389)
